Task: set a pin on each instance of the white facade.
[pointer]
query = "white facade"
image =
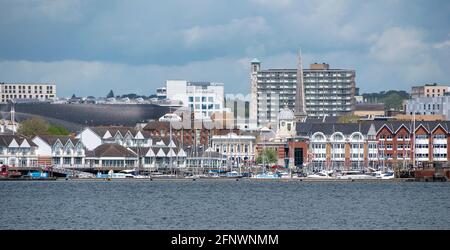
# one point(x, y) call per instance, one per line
point(204, 98)
point(63, 151)
point(236, 148)
point(17, 151)
point(10, 91)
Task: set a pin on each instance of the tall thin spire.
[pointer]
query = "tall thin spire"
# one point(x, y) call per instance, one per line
point(300, 106)
point(13, 117)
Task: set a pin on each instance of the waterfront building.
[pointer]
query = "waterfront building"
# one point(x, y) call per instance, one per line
point(26, 91)
point(238, 149)
point(111, 156)
point(376, 144)
point(327, 92)
point(429, 90)
point(203, 98)
point(17, 151)
point(150, 150)
point(59, 151)
point(439, 105)
point(92, 137)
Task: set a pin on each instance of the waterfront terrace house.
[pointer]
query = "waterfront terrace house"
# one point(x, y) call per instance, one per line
point(375, 143)
point(59, 151)
point(92, 137)
point(163, 154)
point(153, 151)
point(17, 151)
point(111, 155)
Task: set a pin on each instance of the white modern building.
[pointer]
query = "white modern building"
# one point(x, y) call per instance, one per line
point(26, 91)
point(204, 98)
point(429, 106)
point(238, 149)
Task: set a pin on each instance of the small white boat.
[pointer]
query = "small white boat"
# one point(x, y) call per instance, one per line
point(384, 175)
point(233, 174)
point(196, 176)
point(124, 174)
point(355, 175)
point(285, 175)
point(267, 176)
point(320, 175)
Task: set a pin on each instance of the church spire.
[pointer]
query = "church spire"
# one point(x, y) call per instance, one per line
point(300, 106)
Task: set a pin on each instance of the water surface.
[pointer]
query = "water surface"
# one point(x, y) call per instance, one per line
point(223, 204)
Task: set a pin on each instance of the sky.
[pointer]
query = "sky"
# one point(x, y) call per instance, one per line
point(87, 47)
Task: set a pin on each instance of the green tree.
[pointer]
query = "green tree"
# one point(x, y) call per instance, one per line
point(38, 126)
point(57, 130)
point(33, 126)
point(269, 156)
point(110, 94)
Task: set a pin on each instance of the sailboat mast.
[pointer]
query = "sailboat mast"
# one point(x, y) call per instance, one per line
point(414, 141)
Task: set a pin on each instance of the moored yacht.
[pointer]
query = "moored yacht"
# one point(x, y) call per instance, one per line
point(267, 175)
point(355, 175)
point(233, 174)
point(320, 175)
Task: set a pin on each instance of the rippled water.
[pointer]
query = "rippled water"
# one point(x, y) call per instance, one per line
point(223, 204)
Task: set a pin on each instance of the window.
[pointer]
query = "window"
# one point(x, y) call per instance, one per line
point(197, 99)
point(203, 98)
point(191, 99)
point(210, 99)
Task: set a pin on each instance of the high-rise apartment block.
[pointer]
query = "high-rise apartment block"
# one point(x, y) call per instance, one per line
point(326, 91)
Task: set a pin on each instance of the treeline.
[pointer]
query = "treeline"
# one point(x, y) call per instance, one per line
point(392, 99)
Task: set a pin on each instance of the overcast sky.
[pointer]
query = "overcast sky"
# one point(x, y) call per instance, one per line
point(89, 47)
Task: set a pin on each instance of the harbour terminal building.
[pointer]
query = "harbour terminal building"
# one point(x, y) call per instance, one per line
point(326, 91)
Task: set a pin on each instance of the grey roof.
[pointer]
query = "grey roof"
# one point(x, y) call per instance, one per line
point(101, 130)
point(110, 150)
point(51, 139)
point(308, 128)
point(5, 140)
